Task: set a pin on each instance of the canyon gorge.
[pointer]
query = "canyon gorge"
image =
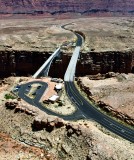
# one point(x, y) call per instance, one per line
point(24, 63)
point(104, 75)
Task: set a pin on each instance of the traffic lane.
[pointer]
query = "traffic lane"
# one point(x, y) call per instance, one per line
point(94, 110)
point(80, 106)
point(117, 130)
point(98, 113)
point(91, 112)
point(79, 40)
point(99, 118)
point(79, 37)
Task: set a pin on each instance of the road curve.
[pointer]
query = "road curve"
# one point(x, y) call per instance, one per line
point(91, 112)
point(84, 108)
point(87, 109)
point(36, 101)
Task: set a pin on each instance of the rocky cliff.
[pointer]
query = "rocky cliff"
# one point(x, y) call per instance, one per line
point(27, 62)
point(65, 140)
point(76, 6)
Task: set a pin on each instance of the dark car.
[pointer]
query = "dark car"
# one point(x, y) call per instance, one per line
point(34, 93)
point(29, 86)
point(38, 87)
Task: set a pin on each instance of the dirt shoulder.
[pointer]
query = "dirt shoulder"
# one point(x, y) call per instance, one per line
point(101, 34)
point(65, 140)
point(106, 33)
point(115, 92)
point(32, 34)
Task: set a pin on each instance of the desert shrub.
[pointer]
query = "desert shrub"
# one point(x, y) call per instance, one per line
point(9, 96)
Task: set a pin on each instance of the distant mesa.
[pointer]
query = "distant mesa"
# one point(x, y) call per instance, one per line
point(54, 7)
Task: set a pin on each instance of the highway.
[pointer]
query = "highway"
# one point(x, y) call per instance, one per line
point(84, 108)
point(90, 112)
point(87, 109)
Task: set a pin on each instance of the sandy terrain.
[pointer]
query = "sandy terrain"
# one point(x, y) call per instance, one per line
point(102, 34)
point(117, 92)
point(14, 150)
point(106, 34)
point(34, 34)
point(65, 108)
point(79, 140)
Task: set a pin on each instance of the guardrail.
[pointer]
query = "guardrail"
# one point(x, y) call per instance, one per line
point(70, 72)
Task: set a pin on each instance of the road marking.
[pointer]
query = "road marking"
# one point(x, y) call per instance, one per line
point(119, 128)
point(76, 95)
point(75, 101)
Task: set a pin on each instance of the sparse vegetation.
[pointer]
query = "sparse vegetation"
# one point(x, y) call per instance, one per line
point(9, 96)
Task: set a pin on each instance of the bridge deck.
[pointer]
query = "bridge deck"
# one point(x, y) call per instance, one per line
point(47, 63)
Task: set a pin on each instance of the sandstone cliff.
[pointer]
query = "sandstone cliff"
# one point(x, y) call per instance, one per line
point(75, 6)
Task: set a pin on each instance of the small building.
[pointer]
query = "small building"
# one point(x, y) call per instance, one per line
point(58, 87)
point(53, 99)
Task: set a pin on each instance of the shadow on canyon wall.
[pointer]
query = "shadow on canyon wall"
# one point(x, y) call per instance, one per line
point(24, 63)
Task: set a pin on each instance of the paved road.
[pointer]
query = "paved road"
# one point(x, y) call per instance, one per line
point(70, 72)
point(91, 112)
point(87, 109)
point(84, 108)
point(35, 102)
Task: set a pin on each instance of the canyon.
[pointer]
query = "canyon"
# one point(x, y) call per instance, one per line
point(83, 7)
point(106, 67)
point(24, 63)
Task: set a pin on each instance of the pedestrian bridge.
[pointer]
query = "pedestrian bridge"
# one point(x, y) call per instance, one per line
point(44, 69)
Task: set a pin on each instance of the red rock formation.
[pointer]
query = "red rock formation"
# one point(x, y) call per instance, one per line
point(56, 6)
point(27, 62)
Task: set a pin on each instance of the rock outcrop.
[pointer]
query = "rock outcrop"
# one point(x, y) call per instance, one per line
point(105, 7)
point(41, 120)
point(109, 109)
point(115, 113)
point(111, 61)
point(73, 140)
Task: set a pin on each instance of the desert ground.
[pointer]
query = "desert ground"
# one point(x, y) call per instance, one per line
point(32, 134)
point(115, 92)
point(102, 34)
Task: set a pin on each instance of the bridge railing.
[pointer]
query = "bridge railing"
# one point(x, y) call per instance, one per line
point(41, 69)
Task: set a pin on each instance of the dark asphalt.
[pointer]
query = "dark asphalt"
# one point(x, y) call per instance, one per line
point(91, 112)
point(35, 102)
point(84, 108)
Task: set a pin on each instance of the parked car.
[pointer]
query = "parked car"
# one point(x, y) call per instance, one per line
point(38, 87)
point(34, 93)
point(29, 86)
point(27, 90)
point(15, 89)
